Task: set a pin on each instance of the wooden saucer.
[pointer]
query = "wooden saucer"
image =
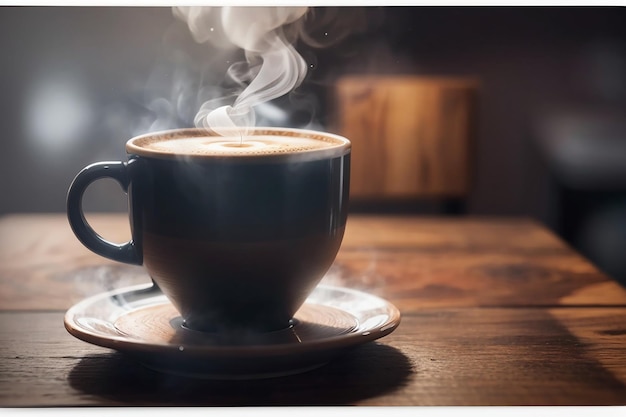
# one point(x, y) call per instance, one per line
point(141, 321)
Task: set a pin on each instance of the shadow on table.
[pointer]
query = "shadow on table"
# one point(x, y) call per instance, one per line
point(364, 372)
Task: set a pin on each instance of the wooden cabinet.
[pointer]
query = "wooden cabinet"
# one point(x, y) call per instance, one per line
point(411, 136)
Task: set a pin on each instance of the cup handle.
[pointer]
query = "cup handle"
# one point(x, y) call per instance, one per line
point(126, 252)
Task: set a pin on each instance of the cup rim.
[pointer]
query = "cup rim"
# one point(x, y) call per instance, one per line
point(340, 145)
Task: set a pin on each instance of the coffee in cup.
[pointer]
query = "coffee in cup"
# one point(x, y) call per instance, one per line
point(235, 231)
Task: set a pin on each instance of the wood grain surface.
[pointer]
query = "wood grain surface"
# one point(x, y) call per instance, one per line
point(495, 312)
point(419, 262)
point(411, 136)
point(437, 357)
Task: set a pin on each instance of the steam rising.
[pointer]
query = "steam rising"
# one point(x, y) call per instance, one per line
point(272, 67)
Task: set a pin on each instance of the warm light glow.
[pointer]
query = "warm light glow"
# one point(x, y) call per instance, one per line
point(58, 113)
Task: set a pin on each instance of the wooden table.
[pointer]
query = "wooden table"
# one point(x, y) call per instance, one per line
point(495, 312)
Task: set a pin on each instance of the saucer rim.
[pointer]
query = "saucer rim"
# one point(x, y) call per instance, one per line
point(124, 343)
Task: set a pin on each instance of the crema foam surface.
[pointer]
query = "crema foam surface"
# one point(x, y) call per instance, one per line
point(250, 145)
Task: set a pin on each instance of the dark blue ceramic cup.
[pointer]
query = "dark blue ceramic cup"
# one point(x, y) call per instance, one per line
point(236, 232)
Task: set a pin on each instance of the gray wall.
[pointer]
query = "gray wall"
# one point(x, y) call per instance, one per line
point(78, 82)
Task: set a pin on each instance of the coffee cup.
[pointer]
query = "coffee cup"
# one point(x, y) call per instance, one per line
point(236, 231)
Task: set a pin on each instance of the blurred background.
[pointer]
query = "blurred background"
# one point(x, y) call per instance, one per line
point(548, 119)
